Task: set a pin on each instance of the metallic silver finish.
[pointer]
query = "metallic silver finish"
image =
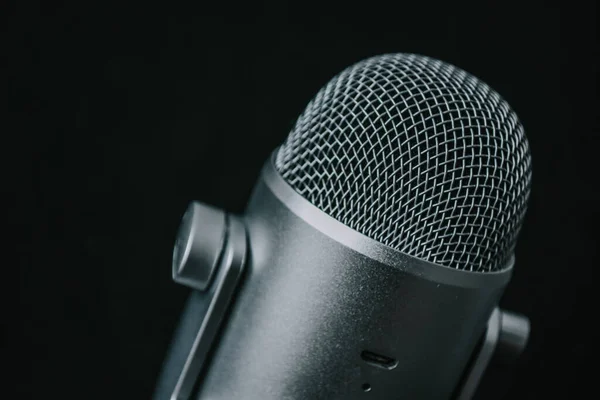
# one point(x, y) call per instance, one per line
point(380, 239)
point(418, 155)
point(513, 335)
point(506, 334)
point(316, 295)
point(373, 249)
point(204, 312)
point(199, 244)
point(483, 357)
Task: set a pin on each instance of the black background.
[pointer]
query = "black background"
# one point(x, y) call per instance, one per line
point(122, 114)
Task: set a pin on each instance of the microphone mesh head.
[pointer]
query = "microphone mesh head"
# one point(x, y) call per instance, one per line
point(418, 155)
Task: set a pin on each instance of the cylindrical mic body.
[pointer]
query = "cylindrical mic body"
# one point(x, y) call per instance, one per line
point(380, 237)
point(324, 312)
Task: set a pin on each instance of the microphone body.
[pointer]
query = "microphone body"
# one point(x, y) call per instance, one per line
point(327, 313)
point(373, 251)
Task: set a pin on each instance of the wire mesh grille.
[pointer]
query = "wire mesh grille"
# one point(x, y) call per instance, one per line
point(418, 155)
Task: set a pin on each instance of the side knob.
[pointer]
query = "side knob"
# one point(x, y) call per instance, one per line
point(200, 242)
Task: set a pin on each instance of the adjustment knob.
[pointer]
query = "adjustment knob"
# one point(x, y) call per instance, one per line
point(514, 333)
point(199, 244)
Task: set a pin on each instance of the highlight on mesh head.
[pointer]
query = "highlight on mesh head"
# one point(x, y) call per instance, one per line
point(417, 154)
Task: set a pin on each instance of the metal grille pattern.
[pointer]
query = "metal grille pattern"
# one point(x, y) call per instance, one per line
point(418, 155)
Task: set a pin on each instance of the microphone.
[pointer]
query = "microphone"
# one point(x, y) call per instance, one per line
point(372, 254)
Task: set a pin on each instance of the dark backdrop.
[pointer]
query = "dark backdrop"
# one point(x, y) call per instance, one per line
point(122, 114)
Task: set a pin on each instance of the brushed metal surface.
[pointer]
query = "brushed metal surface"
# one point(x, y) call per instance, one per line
point(313, 299)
